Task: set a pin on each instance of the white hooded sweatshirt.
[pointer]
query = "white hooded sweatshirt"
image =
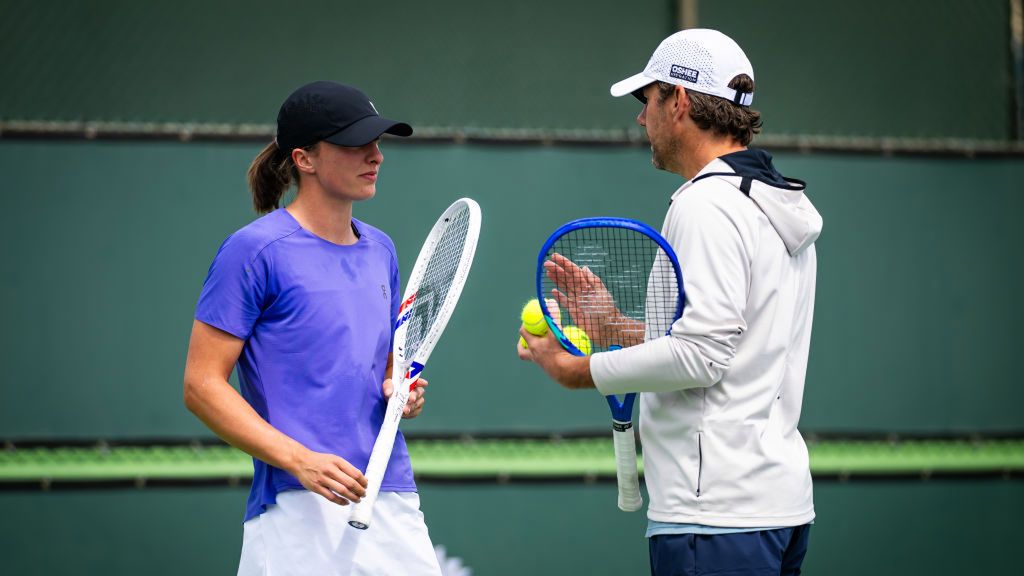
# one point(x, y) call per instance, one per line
point(722, 392)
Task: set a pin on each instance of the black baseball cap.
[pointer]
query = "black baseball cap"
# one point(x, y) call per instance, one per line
point(331, 112)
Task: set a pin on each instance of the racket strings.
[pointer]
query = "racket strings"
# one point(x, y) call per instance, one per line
point(614, 283)
point(438, 276)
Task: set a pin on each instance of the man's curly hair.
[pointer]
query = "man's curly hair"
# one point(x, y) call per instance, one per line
point(720, 115)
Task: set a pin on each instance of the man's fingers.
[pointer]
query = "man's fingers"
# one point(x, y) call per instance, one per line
point(563, 301)
point(577, 274)
point(524, 353)
point(572, 282)
point(531, 340)
point(388, 388)
point(563, 262)
point(565, 274)
point(558, 275)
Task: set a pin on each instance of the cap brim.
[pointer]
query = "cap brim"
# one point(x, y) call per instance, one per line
point(366, 130)
point(630, 85)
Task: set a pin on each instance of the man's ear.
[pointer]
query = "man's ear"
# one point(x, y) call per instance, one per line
point(303, 161)
point(680, 103)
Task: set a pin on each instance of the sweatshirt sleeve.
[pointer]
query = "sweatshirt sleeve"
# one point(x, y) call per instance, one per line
point(716, 277)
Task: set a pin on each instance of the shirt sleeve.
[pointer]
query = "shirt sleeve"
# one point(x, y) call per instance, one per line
point(233, 293)
point(702, 343)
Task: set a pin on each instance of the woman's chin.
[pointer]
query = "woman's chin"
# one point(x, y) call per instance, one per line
point(364, 193)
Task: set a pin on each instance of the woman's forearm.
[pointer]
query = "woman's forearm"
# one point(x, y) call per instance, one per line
point(227, 414)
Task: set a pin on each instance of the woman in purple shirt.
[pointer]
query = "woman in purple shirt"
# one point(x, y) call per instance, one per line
point(303, 301)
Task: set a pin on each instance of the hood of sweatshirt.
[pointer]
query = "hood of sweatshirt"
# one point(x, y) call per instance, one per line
point(781, 199)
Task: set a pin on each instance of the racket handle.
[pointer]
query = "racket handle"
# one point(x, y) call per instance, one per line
point(630, 499)
point(379, 458)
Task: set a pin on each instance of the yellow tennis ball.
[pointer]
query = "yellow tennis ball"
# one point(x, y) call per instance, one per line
point(533, 318)
point(579, 338)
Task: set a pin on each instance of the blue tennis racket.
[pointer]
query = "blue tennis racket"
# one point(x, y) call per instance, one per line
point(605, 284)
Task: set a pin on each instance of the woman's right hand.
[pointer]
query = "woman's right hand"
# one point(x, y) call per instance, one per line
point(331, 477)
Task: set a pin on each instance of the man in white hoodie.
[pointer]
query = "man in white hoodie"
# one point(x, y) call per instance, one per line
point(725, 466)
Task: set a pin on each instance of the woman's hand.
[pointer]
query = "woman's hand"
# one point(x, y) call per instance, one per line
point(330, 476)
point(414, 405)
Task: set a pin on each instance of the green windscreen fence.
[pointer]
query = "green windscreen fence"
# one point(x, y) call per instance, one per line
point(487, 460)
point(883, 528)
point(875, 68)
point(915, 320)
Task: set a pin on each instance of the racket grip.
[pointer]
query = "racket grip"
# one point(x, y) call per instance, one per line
point(630, 499)
point(362, 512)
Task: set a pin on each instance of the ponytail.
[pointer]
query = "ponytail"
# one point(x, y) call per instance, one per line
point(270, 175)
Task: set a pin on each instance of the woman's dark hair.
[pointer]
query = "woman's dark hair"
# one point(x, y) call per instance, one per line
point(720, 115)
point(271, 173)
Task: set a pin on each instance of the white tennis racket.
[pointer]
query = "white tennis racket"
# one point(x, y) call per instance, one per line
point(430, 296)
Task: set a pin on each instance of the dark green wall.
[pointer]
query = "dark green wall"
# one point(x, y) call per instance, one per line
point(869, 68)
point(914, 69)
point(107, 245)
point(884, 529)
point(530, 63)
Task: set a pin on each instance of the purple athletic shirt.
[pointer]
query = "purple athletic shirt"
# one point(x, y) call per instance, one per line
point(317, 322)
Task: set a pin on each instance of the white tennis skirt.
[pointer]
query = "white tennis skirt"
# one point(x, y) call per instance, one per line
point(304, 534)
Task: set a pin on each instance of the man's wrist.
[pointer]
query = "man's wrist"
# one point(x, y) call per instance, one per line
point(575, 372)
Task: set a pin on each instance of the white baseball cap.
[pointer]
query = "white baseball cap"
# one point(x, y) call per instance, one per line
point(699, 59)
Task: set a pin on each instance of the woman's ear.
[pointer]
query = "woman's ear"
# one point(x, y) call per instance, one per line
point(303, 161)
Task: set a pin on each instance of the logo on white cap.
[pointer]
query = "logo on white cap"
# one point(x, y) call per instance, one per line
point(684, 73)
point(699, 59)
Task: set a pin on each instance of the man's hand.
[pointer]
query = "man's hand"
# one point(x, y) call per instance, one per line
point(570, 371)
point(414, 405)
point(330, 476)
point(590, 304)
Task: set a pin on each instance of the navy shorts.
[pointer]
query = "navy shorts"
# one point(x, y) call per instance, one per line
point(762, 553)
